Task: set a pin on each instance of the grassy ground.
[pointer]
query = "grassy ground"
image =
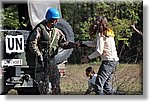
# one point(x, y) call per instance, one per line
point(128, 79)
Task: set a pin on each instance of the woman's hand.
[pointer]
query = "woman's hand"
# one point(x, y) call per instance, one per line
point(85, 59)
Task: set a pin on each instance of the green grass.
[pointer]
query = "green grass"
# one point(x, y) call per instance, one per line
point(128, 79)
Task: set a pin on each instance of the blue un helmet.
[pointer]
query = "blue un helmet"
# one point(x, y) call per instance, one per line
point(52, 13)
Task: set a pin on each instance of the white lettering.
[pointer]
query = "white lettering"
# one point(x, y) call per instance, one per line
point(11, 62)
point(14, 43)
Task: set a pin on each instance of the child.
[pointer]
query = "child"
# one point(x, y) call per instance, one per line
point(91, 81)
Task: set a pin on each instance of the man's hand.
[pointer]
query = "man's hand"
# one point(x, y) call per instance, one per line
point(80, 43)
point(85, 59)
point(70, 45)
point(40, 60)
point(76, 45)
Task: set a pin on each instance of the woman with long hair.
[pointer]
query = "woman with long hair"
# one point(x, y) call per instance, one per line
point(106, 49)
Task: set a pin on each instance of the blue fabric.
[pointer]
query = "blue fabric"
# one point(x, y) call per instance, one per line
point(105, 73)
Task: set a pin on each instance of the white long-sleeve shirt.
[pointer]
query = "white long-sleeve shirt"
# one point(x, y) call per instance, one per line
point(105, 47)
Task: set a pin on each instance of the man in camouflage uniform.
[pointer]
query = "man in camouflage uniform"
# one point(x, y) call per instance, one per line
point(43, 42)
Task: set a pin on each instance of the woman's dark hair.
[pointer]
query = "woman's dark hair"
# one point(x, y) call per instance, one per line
point(98, 25)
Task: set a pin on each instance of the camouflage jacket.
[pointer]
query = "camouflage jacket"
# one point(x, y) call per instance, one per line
point(50, 39)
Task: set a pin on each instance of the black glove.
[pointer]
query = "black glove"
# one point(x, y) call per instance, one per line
point(73, 45)
point(40, 60)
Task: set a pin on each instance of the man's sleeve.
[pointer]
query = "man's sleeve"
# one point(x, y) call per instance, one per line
point(33, 40)
point(63, 43)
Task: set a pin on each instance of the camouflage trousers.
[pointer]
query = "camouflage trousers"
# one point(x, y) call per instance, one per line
point(48, 78)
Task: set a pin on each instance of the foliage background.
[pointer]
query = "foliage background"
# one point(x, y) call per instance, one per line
point(80, 15)
point(121, 15)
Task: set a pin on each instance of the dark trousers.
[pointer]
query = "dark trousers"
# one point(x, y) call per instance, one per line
point(54, 77)
point(105, 73)
point(46, 76)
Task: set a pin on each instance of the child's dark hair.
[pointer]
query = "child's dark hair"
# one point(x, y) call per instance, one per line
point(90, 69)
